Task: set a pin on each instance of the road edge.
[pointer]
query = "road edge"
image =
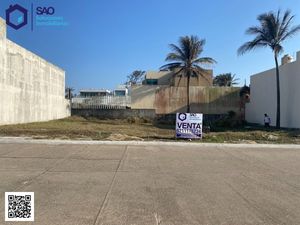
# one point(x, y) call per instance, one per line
point(25, 140)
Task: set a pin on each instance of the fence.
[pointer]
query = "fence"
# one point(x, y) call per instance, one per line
point(102, 102)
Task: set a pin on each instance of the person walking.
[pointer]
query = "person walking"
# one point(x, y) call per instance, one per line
point(267, 120)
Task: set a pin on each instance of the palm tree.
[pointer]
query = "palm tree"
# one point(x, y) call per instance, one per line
point(186, 62)
point(273, 30)
point(225, 80)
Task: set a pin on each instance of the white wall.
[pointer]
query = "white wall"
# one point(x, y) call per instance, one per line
point(31, 89)
point(263, 96)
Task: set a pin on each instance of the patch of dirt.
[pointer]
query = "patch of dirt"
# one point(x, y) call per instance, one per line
point(247, 142)
point(123, 137)
point(272, 137)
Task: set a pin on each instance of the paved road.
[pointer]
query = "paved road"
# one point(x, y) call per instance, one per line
point(138, 185)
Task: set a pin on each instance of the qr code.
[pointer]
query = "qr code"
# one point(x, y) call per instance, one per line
point(19, 206)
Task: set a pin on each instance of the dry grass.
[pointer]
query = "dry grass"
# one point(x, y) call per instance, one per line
point(95, 129)
point(91, 128)
point(255, 135)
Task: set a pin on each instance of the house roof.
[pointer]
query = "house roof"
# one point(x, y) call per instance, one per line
point(156, 74)
point(94, 91)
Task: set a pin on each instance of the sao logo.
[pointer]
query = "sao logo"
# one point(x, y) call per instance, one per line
point(45, 10)
point(16, 16)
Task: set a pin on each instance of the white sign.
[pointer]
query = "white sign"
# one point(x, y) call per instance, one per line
point(189, 125)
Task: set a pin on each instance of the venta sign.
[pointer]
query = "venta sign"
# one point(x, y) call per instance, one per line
point(189, 125)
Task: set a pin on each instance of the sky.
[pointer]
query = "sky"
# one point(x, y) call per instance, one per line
point(105, 40)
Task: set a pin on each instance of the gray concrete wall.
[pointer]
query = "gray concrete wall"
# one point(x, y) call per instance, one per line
point(143, 96)
point(166, 99)
point(263, 96)
point(115, 113)
point(31, 89)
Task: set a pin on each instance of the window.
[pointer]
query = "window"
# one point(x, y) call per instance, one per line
point(120, 93)
point(151, 81)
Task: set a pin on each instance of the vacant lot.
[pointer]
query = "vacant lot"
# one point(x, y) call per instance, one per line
point(95, 129)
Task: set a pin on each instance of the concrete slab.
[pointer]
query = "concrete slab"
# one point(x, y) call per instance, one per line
point(284, 160)
point(12, 181)
point(208, 160)
point(6, 148)
point(155, 184)
point(184, 200)
point(76, 200)
point(26, 164)
point(99, 152)
point(77, 165)
point(68, 198)
point(41, 151)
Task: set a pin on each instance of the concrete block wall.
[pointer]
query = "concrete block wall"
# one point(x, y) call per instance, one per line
point(168, 99)
point(31, 89)
point(263, 96)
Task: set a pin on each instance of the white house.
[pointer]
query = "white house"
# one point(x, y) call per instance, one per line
point(122, 90)
point(89, 93)
point(263, 94)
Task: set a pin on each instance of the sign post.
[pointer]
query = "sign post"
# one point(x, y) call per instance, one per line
point(189, 125)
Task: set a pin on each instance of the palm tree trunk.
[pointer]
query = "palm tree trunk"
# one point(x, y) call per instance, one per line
point(188, 110)
point(278, 91)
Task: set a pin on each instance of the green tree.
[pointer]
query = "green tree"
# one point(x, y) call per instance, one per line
point(186, 62)
point(225, 80)
point(136, 77)
point(273, 30)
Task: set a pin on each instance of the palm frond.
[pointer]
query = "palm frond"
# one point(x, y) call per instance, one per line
point(272, 31)
point(286, 21)
point(177, 50)
point(292, 32)
point(286, 17)
point(200, 72)
point(171, 66)
point(255, 31)
point(174, 57)
point(251, 45)
point(185, 45)
point(197, 47)
point(205, 60)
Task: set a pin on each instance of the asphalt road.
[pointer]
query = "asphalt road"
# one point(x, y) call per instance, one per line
point(154, 184)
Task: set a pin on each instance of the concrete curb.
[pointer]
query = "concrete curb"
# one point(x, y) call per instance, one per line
point(24, 140)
